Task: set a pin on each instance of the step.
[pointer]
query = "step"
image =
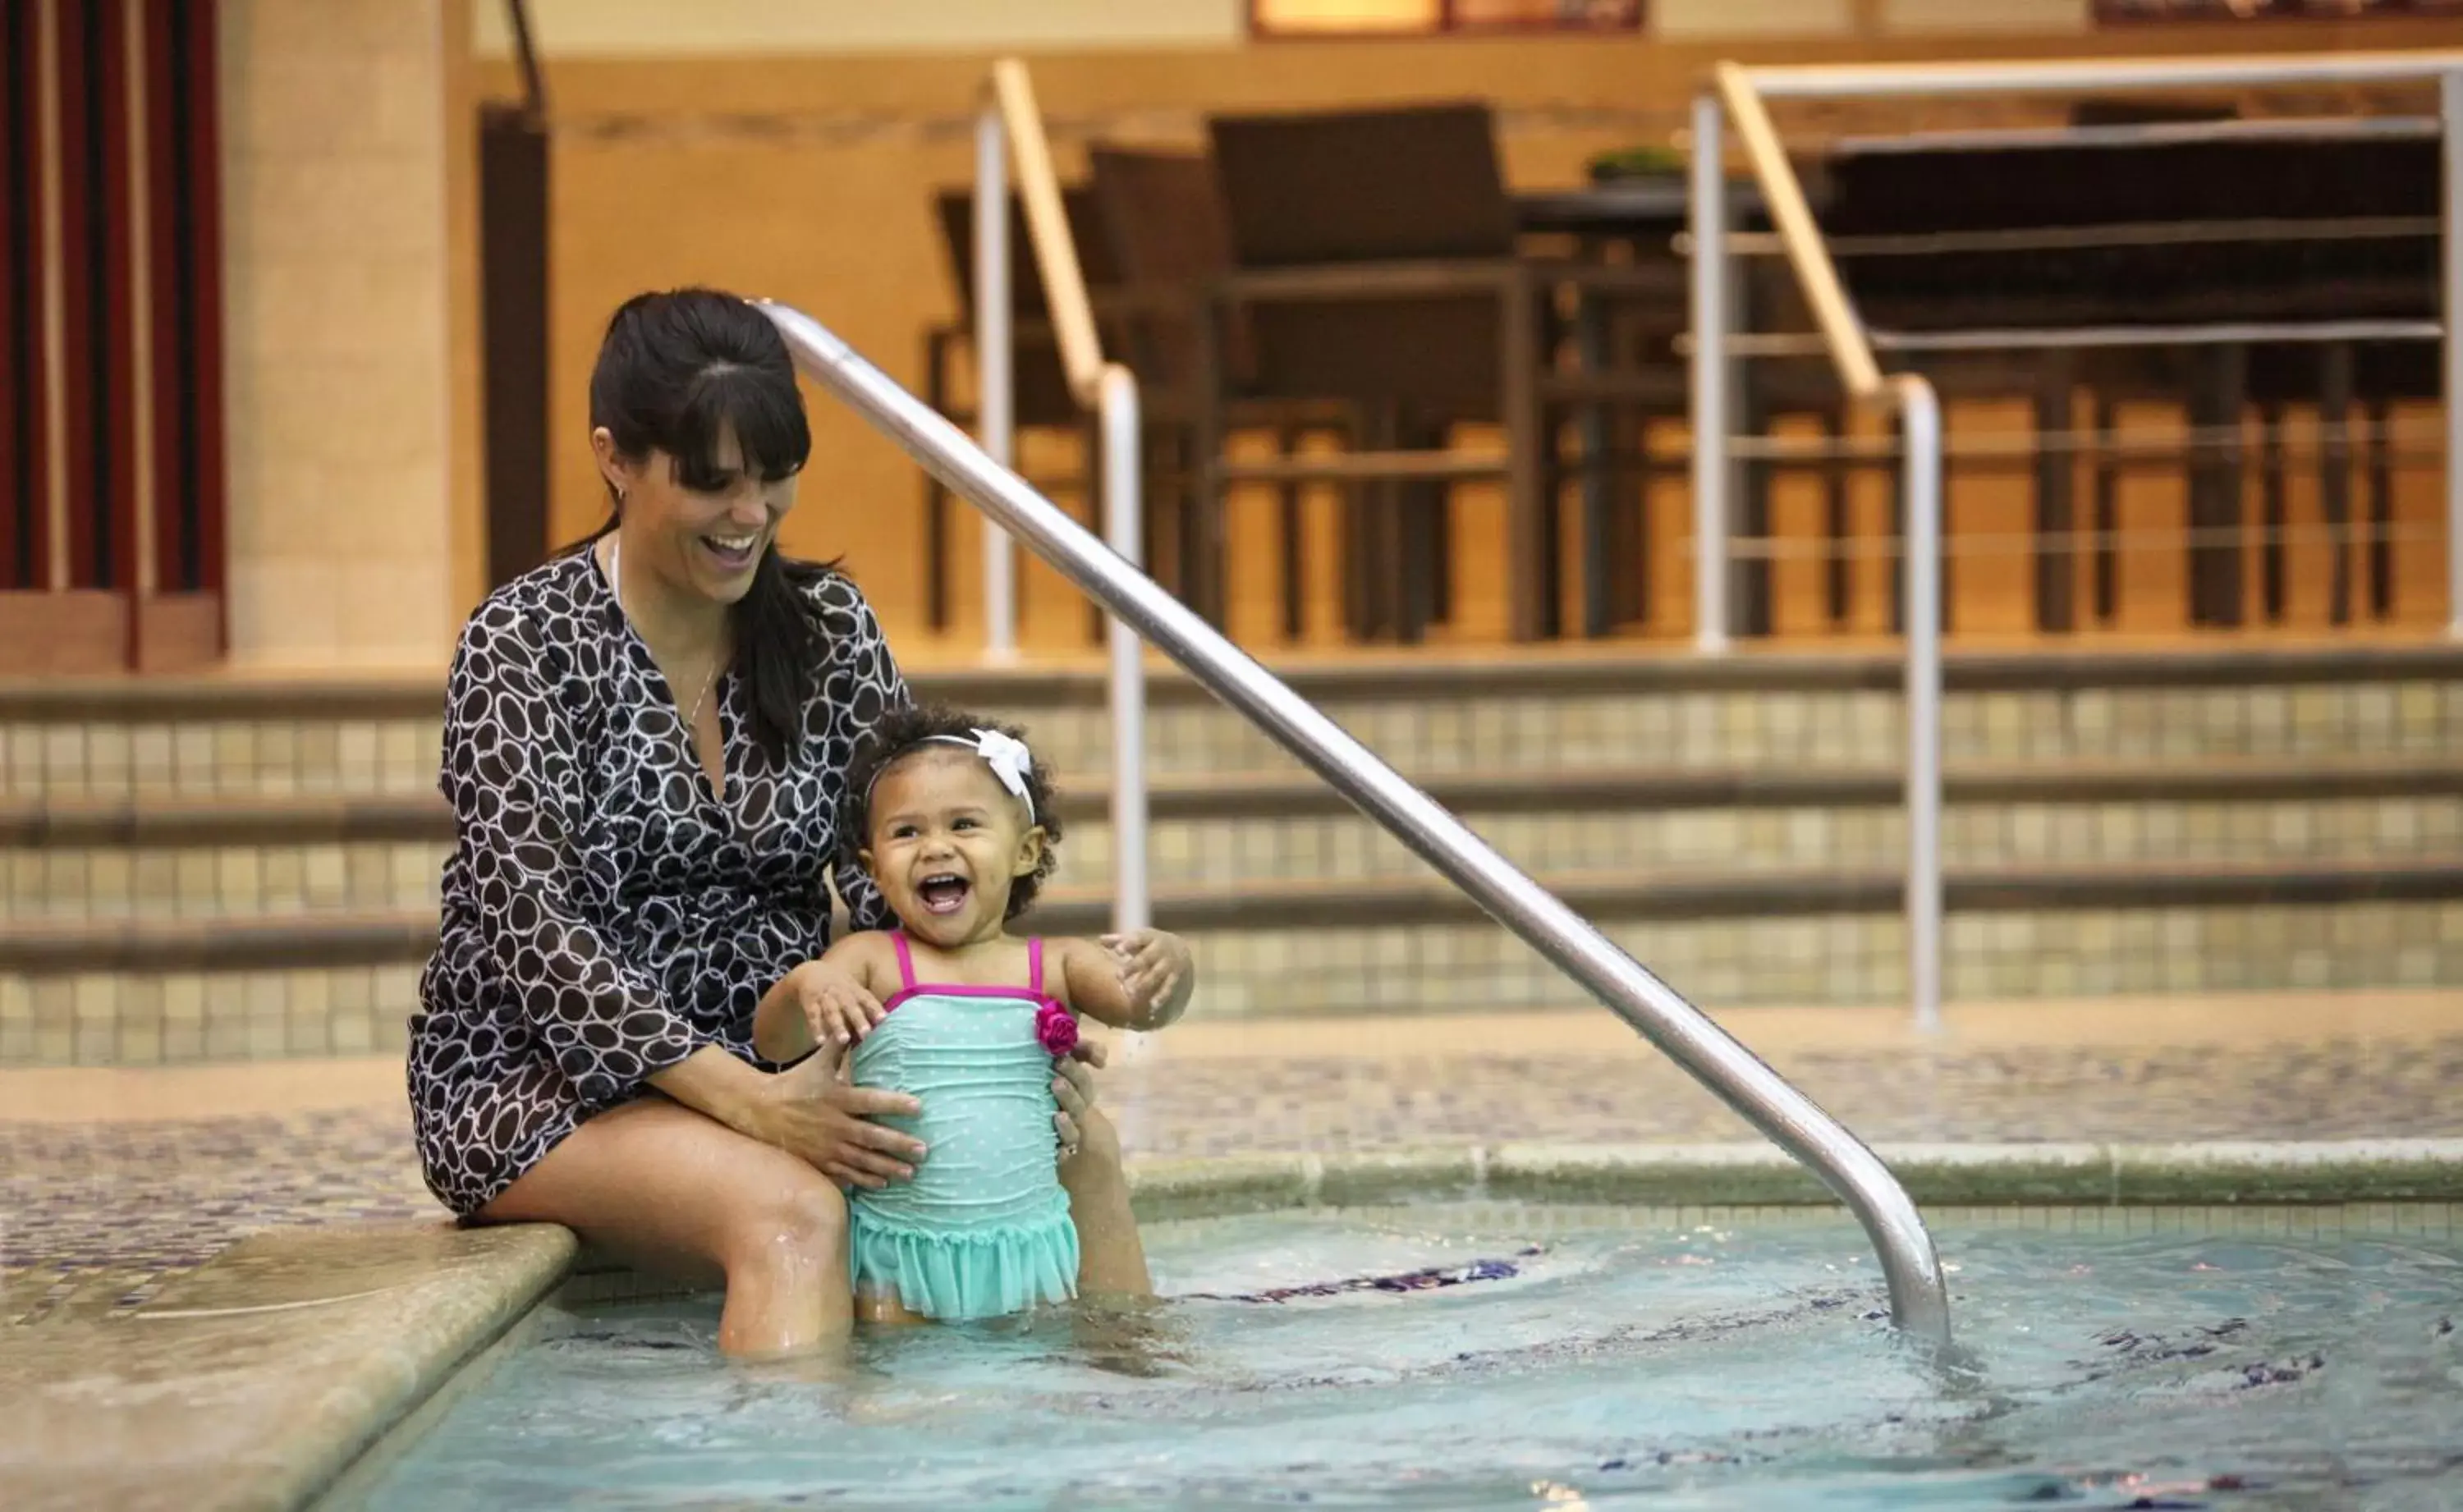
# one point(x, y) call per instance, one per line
point(309, 752)
point(1428, 715)
point(148, 1018)
point(96, 993)
point(179, 857)
point(1231, 834)
point(176, 857)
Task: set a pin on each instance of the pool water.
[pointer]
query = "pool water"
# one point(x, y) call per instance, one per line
point(1599, 1361)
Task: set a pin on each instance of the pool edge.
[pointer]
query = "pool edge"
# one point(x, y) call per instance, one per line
point(285, 1359)
point(351, 1486)
point(2097, 1174)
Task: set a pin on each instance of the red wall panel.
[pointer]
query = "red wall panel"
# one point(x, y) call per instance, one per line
point(23, 532)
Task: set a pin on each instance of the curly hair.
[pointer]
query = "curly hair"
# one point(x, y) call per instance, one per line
point(902, 732)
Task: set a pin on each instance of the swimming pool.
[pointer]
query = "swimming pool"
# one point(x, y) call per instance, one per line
point(1605, 1359)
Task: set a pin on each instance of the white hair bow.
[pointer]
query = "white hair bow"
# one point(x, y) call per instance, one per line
point(1007, 756)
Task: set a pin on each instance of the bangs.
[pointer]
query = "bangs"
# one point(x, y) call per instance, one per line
point(761, 408)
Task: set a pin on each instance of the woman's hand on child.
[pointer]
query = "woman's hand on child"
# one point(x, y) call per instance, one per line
point(1153, 962)
point(812, 1112)
point(838, 1007)
point(1072, 1087)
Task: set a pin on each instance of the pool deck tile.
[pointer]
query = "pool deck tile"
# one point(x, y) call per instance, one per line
point(114, 1183)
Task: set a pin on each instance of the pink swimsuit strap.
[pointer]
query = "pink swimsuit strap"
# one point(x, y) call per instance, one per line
point(908, 986)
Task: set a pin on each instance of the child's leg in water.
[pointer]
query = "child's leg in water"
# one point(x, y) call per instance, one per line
point(1112, 1261)
point(884, 1307)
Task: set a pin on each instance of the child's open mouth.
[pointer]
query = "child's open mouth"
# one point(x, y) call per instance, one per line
point(943, 893)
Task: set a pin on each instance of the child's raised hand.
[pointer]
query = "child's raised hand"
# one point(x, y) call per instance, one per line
point(838, 1007)
point(1155, 966)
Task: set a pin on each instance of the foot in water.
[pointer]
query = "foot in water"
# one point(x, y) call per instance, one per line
point(1135, 1336)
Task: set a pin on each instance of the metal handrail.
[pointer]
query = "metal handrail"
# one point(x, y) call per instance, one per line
point(1010, 120)
point(1972, 80)
point(1918, 410)
point(1918, 1300)
point(2063, 75)
point(1740, 93)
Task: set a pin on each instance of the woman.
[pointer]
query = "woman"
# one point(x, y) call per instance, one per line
point(646, 746)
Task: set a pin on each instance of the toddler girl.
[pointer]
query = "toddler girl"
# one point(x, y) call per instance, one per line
point(956, 827)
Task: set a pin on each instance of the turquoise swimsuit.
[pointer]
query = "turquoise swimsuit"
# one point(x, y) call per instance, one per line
point(983, 1229)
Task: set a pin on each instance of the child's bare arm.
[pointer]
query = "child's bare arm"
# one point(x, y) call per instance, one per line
point(1140, 981)
point(837, 995)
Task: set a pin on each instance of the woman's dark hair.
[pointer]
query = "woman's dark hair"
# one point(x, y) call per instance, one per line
point(676, 371)
point(909, 728)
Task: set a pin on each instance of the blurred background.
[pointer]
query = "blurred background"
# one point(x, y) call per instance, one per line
point(298, 298)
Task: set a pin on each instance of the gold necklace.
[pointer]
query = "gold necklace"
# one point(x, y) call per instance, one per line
point(616, 586)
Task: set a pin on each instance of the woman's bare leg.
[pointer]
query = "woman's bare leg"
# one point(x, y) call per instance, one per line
point(1111, 1259)
point(666, 1187)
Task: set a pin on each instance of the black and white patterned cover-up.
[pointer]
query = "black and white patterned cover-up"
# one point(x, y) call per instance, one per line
point(606, 914)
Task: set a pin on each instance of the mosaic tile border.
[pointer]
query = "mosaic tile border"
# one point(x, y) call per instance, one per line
point(1733, 1176)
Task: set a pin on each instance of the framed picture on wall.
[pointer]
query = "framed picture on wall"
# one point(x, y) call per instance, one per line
point(1320, 19)
point(2124, 12)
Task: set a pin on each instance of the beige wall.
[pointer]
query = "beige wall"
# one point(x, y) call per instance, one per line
point(335, 163)
point(466, 418)
point(707, 28)
point(1985, 17)
point(1692, 19)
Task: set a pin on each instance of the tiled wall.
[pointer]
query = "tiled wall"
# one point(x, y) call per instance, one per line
point(334, 164)
point(1795, 730)
point(104, 1019)
point(1227, 852)
point(65, 883)
point(384, 752)
point(1798, 730)
point(108, 1019)
point(200, 758)
point(1848, 958)
point(307, 878)
point(87, 884)
point(1747, 729)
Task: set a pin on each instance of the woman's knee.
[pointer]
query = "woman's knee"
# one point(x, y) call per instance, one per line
point(802, 1224)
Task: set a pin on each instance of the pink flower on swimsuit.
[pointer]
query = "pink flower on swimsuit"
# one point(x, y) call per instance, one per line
point(1056, 1029)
